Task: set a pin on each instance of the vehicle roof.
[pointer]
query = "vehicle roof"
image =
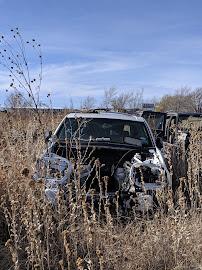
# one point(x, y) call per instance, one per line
point(107, 115)
point(184, 113)
point(153, 112)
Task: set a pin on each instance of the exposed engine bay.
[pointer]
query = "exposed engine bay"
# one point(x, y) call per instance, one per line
point(135, 174)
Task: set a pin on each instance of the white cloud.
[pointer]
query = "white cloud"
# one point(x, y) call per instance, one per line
point(129, 71)
point(80, 79)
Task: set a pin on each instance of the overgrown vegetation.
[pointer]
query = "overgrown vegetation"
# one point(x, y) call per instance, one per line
point(70, 235)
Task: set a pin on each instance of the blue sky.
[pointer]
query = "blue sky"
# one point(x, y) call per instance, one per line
point(89, 46)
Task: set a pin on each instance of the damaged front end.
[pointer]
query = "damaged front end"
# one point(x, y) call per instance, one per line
point(55, 171)
point(146, 178)
point(136, 178)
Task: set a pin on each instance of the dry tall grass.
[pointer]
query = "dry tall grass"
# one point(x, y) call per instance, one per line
point(70, 236)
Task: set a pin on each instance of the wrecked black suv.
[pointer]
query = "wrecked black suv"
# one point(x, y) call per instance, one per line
point(115, 152)
point(171, 127)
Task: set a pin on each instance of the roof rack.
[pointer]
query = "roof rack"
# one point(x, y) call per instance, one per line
point(98, 110)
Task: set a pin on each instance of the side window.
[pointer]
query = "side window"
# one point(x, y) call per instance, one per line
point(168, 125)
point(170, 128)
point(173, 121)
point(168, 119)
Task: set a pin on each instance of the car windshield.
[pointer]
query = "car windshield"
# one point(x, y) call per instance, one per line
point(105, 130)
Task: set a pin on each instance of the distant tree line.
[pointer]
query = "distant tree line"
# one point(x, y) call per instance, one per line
point(183, 100)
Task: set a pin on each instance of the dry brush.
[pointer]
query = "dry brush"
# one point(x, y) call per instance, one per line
point(36, 235)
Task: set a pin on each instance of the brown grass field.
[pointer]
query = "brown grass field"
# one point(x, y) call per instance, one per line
point(33, 235)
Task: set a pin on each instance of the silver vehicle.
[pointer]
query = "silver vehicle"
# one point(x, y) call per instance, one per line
point(119, 146)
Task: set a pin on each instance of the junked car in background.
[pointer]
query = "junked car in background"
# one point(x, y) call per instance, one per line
point(176, 128)
point(171, 126)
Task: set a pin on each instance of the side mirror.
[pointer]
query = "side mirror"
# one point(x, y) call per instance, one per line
point(159, 142)
point(47, 135)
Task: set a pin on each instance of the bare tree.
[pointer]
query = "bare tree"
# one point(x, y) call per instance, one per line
point(16, 56)
point(88, 103)
point(183, 100)
point(136, 99)
point(71, 104)
point(197, 99)
point(16, 100)
point(109, 95)
point(121, 101)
